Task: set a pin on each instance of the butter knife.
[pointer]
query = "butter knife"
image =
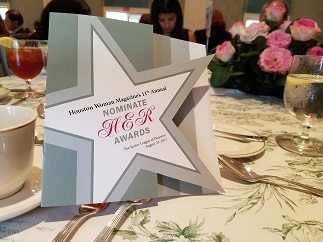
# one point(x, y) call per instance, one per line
point(5, 100)
point(17, 90)
point(248, 138)
point(19, 101)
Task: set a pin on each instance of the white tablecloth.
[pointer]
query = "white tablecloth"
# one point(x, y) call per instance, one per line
point(247, 212)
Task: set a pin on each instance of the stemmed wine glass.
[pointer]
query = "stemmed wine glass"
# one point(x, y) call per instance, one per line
point(303, 98)
point(25, 60)
point(43, 44)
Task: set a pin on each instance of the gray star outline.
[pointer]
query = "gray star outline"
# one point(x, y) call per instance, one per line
point(201, 175)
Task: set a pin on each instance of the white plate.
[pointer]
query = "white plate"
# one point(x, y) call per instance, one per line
point(236, 149)
point(29, 196)
point(4, 92)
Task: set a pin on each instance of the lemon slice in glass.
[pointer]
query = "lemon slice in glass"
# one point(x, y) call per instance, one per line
point(299, 79)
point(7, 41)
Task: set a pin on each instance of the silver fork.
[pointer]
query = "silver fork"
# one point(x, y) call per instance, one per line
point(113, 222)
point(85, 212)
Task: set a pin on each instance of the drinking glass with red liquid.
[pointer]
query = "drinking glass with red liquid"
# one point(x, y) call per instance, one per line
point(25, 60)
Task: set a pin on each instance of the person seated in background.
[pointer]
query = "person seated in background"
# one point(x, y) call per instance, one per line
point(3, 28)
point(218, 32)
point(14, 22)
point(167, 19)
point(37, 25)
point(59, 6)
point(145, 18)
point(279, 3)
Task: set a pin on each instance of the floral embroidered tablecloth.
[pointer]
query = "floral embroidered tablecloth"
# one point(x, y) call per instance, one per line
point(246, 212)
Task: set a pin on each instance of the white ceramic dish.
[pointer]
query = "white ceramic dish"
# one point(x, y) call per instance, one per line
point(236, 149)
point(4, 92)
point(29, 196)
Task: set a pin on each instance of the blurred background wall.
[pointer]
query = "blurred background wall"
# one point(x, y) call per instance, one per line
point(233, 10)
point(194, 10)
point(31, 9)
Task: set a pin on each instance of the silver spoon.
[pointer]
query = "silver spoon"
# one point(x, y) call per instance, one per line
point(113, 222)
point(41, 108)
point(85, 212)
point(245, 173)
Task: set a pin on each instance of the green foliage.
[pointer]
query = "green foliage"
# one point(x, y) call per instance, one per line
point(255, 196)
point(319, 39)
point(167, 231)
point(300, 47)
point(310, 230)
point(273, 25)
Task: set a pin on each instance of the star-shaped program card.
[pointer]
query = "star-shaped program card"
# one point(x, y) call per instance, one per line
point(127, 114)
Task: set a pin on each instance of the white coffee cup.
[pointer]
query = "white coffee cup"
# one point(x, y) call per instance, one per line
point(17, 134)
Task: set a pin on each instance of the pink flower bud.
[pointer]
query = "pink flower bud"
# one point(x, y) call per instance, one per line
point(316, 51)
point(253, 31)
point(275, 13)
point(225, 51)
point(237, 28)
point(284, 25)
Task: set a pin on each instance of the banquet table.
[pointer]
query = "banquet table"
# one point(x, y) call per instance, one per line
point(245, 212)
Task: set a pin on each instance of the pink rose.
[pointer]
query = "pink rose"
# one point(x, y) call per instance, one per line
point(275, 13)
point(253, 31)
point(225, 51)
point(237, 28)
point(275, 60)
point(279, 38)
point(316, 51)
point(285, 25)
point(304, 29)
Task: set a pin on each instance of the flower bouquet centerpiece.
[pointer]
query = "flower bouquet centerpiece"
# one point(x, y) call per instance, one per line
point(257, 58)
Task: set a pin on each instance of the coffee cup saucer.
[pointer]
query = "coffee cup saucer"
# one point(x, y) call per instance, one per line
point(29, 196)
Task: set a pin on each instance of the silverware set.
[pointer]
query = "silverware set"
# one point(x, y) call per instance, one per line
point(111, 225)
point(21, 96)
point(87, 211)
point(239, 137)
point(247, 174)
